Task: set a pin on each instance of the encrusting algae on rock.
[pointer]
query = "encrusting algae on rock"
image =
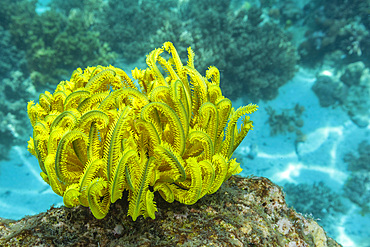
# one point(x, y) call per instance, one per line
point(243, 212)
point(101, 134)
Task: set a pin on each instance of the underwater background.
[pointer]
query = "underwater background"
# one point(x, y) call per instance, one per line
point(305, 63)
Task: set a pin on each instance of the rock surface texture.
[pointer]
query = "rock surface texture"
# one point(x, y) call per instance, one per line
point(244, 212)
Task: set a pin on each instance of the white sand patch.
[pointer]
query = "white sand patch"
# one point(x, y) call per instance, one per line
point(329, 135)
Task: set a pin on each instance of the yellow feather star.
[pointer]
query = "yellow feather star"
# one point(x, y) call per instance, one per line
point(99, 134)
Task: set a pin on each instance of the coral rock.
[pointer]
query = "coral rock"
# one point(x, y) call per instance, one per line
point(244, 212)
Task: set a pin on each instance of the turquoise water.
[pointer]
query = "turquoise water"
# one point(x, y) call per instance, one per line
point(305, 63)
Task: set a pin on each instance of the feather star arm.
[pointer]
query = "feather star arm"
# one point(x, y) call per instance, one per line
point(102, 133)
